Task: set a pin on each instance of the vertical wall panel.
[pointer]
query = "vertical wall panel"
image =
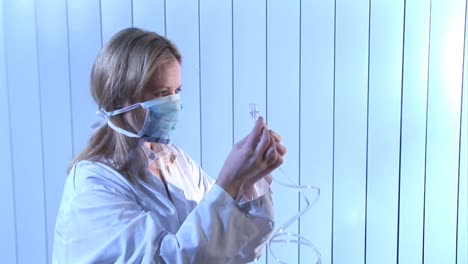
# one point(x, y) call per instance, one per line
point(184, 33)
point(462, 256)
point(216, 83)
point(386, 45)
point(443, 126)
point(283, 74)
point(25, 120)
point(249, 55)
point(413, 131)
point(83, 23)
point(150, 15)
point(115, 16)
point(316, 156)
point(352, 25)
point(54, 79)
point(7, 204)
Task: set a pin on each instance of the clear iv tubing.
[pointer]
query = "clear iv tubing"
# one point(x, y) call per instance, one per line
point(280, 235)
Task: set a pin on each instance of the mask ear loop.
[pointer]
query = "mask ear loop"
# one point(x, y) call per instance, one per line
point(280, 235)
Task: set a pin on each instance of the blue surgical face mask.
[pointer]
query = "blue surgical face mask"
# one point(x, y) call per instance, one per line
point(162, 115)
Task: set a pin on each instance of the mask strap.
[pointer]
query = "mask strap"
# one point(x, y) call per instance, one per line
point(121, 111)
point(106, 115)
point(121, 130)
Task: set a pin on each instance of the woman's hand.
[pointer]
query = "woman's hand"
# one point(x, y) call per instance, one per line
point(251, 159)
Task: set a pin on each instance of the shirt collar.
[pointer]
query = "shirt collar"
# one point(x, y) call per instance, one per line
point(160, 154)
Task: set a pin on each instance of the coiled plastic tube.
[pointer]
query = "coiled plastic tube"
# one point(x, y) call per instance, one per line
point(280, 234)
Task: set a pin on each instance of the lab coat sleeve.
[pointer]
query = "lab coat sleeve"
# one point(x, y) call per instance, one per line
point(227, 232)
point(109, 226)
point(258, 207)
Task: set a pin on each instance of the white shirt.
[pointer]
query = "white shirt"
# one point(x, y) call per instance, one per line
point(104, 218)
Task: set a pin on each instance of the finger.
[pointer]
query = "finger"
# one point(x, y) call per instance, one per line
point(281, 149)
point(278, 162)
point(264, 143)
point(270, 148)
point(275, 136)
point(270, 153)
point(254, 136)
point(273, 166)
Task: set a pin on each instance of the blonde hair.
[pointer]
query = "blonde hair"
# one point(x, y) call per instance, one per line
point(120, 74)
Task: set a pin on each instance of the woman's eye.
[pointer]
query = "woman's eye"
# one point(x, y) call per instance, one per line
point(167, 92)
point(160, 94)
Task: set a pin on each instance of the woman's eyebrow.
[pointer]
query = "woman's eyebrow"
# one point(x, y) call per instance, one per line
point(159, 89)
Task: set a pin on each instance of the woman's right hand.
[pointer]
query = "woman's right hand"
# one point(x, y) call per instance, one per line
point(251, 159)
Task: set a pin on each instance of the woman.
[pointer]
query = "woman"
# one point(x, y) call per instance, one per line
point(133, 197)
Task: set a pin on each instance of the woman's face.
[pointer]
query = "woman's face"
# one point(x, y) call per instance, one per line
point(165, 81)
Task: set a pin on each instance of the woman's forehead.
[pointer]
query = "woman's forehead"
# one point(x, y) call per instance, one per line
point(168, 75)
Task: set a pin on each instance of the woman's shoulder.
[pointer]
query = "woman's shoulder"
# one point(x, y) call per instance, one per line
point(86, 174)
point(87, 168)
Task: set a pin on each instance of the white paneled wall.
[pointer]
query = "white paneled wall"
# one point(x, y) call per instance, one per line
point(7, 201)
point(383, 129)
point(282, 102)
point(443, 128)
point(316, 118)
point(413, 139)
point(369, 96)
point(349, 132)
point(25, 125)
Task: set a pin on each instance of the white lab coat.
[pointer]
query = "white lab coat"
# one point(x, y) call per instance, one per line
point(103, 218)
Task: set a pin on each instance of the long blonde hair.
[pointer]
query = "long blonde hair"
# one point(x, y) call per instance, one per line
point(120, 74)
